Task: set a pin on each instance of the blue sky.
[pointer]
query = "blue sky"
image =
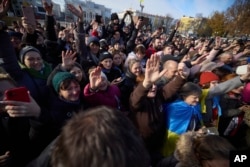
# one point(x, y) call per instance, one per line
point(176, 8)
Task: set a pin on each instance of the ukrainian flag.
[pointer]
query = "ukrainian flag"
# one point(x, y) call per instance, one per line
point(178, 117)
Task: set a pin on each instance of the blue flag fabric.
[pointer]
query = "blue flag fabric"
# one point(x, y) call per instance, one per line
point(178, 117)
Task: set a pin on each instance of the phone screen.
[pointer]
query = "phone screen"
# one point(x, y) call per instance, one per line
point(28, 12)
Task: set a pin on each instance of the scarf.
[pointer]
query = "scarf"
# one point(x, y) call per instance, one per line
point(42, 74)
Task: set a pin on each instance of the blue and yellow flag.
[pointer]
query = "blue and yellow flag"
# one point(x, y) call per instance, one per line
point(178, 117)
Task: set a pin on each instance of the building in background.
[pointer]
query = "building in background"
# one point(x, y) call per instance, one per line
point(90, 10)
point(190, 25)
point(37, 6)
point(153, 21)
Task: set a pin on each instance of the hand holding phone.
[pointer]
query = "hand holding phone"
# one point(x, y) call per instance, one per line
point(18, 103)
point(17, 94)
point(29, 14)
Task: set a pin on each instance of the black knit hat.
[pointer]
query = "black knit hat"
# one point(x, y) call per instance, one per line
point(114, 16)
point(105, 55)
point(93, 39)
point(25, 50)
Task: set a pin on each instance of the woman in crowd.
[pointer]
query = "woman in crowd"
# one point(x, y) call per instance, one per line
point(138, 53)
point(100, 92)
point(182, 115)
point(69, 64)
point(133, 72)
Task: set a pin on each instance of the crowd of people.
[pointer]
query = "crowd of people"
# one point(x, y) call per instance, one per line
point(118, 94)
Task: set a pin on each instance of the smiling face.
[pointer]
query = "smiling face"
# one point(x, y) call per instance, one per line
point(33, 60)
point(136, 69)
point(192, 100)
point(70, 91)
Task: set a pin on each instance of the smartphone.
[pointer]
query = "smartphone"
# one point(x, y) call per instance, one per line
point(17, 94)
point(28, 12)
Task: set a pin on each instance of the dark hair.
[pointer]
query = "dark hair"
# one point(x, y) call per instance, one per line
point(189, 88)
point(193, 148)
point(140, 48)
point(99, 137)
point(211, 147)
point(66, 83)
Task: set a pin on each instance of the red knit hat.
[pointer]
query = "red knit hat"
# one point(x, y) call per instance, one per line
point(207, 77)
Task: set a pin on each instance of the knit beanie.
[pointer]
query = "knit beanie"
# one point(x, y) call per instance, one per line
point(114, 16)
point(25, 50)
point(93, 39)
point(105, 55)
point(59, 78)
point(207, 77)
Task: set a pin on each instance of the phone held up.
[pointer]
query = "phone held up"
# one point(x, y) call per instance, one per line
point(28, 12)
point(17, 94)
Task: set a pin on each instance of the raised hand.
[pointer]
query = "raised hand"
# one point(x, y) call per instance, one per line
point(218, 41)
point(183, 70)
point(4, 7)
point(152, 71)
point(75, 11)
point(95, 78)
point(68, 59)
point(27, 25)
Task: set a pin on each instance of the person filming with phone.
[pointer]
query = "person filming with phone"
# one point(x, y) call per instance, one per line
point(14, 122)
